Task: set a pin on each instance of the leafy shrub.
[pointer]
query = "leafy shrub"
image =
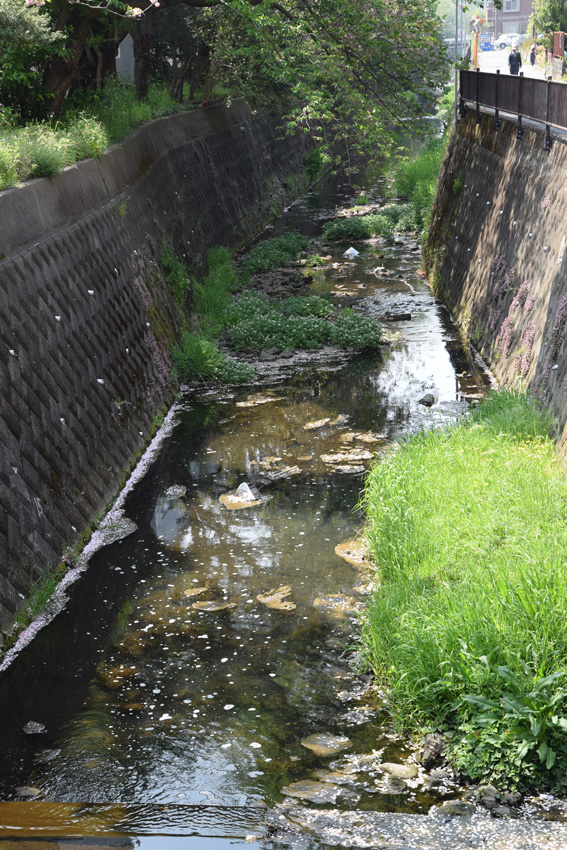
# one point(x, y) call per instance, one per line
point(270, 253)
point(247, 305)
point(352, 228)
point(351, 330)
point(306, 305)
point(417, 178)
point(314, 162)
point(399, 217)
point(88, 137)
point(259, 332)
point(257, 322)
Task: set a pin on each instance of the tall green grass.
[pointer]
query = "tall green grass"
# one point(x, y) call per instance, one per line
point(86, 130)
point(468, 530)
point(416, 179)
point(41, 150)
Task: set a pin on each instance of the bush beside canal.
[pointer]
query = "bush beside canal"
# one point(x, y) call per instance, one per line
point(467, 626)
point(253, 321)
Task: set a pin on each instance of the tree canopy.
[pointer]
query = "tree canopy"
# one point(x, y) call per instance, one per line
point(336, 68)
point(550, 16)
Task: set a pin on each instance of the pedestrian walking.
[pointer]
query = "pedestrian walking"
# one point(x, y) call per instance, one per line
point(515, 61)
point(533, 51)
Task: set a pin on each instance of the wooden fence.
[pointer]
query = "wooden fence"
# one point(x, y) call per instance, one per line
point(543, 101)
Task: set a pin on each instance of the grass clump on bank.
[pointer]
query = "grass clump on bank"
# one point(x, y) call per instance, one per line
point(197, 357)
point(415, 179)
point(85, 130)
point(468, 625)
point(40, 150)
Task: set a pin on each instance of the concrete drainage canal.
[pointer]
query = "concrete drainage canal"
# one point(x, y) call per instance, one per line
point(199, 686)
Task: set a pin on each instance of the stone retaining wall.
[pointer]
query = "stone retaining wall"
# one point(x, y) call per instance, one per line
point(497, 253)
point(86, 317)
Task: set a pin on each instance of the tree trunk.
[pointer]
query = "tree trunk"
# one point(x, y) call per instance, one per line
point(142, 37)
point(61, 71)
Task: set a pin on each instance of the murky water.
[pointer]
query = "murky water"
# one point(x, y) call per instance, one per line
point(175, 700)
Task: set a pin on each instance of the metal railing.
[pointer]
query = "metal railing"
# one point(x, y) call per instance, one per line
point(544, 101)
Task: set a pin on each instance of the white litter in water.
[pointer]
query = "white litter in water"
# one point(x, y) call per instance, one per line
point(245, 493)
point(351, 253)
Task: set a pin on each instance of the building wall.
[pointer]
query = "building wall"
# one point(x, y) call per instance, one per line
point(513, 17)
point(86, 317)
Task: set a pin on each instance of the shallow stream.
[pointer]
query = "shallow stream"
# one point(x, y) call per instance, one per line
point(175, 701)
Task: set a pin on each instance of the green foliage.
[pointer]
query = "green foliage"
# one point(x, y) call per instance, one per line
point(315, 162)
point(347, 229)
point(41, 150)
point(119, 111)
point(256, 322)
point(351, 330)
point(549, 16)
point(446, 106)
point(211, 296)
point(468, 625)
point(176, 274)
point(197, 358)
point(417, 179)
point(271, 253)
point(396, 217)
point(27, 40)
point(306, 305)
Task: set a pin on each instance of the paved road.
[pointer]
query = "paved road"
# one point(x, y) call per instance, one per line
point(490, 60)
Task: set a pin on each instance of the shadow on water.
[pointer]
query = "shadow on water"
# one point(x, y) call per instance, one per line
point(196, 659)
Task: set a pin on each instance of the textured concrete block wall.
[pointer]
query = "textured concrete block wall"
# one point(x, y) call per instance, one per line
point(86, 318)
point(497, 253)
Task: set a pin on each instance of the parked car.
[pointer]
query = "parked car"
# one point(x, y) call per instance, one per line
point(509, 39)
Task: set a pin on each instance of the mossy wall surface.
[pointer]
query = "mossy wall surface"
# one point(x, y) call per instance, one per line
point(497, 253)
point(86, 316)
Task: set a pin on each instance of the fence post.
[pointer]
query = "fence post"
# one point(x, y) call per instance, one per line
point(520, 132)
point(462, 107)
point(478, 118)
point(548, 139)
point(496, 114)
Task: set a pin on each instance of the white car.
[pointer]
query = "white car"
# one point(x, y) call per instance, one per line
point(509, 39)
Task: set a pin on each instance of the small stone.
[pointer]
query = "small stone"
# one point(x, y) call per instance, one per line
point(432, 748)
point(400, 771)
point(33, 728)
point(454, 808)
point(514, 798)
point(489, 791)
point(27, 792)
point(314, 792)
point(176, 491)
point(325, 744)
point(276, 598)
point(428, 400)
point(46, 756)
point(501, 812)
point(441, 774)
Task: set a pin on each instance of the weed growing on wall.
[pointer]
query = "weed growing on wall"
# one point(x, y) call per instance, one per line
point(467, 625)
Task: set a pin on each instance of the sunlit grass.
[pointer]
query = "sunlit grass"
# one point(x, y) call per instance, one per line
point(468, 530)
